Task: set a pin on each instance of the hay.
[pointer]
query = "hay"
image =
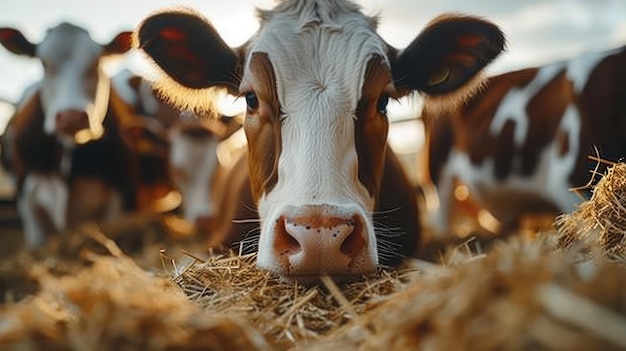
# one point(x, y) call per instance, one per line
point(115, 304)
point(550, 291)
point(598, 226)
point(520, 296)
point(285, 312)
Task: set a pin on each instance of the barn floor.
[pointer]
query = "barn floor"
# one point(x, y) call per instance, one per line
point(135, 284)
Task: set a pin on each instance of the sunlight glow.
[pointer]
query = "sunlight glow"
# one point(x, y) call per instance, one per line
point(461, 192)
point(488, 221)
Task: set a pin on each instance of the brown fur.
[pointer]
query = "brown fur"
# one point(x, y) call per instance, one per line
point(603, 124)
point(263, 129)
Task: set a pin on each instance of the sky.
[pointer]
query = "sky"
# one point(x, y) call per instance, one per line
point(538, 31)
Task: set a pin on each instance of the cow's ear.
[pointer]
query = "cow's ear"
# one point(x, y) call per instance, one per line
point(189, 50)
point(120, 44)
point(15, 42)
point(448, 53)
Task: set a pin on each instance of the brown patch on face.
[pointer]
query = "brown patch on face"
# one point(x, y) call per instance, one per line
point(262, 127)
point(371, 125)
point(30, 149)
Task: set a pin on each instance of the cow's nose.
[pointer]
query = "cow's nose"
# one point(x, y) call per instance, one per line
point(318, 244)
point(71, 121)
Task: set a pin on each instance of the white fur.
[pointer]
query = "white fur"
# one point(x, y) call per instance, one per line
point(194, 162)
point(319, 73)
point(68, 52)
point(42, 193)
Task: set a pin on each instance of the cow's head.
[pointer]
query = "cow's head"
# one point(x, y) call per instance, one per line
point(191, 149)
point(195, 167)
point(317, 79)
point(73, 96)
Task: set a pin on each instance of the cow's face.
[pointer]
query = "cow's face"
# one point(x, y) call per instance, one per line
point(73, 92)
point(317, 79)
point(195, 165)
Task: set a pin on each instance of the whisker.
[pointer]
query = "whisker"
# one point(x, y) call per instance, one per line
point(242, 221)
point(388, 244)
point(380, 227)
point(386, 211)
point(250, 207)
point(250, 241)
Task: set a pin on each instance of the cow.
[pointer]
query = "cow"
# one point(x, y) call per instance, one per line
point(64, 145)
point(190, 155)
point(196, 169)
point(330, 196)
point(521, 145)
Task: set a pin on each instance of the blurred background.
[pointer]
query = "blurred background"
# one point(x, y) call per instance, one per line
point(538, 31)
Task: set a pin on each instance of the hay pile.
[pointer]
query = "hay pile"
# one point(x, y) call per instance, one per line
point(114, 304)
point(565, 291)
point(519, 296)
point(599, 224)
point(286, 313)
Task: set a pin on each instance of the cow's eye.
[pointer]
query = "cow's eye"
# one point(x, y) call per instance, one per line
point(252, 101)
point(382, 104)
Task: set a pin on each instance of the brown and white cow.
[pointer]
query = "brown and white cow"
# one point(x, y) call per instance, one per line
point(331, 196)
point(196, 169)
point(522, 143)
point(64, 144)
point(191, 153)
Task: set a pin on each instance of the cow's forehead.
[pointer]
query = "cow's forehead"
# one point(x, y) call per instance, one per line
point(67, 42)
point(317, 46)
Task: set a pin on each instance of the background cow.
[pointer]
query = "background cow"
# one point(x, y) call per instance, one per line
point(64, 144)
point(331, 196)
point(523, 142)
point(191, 158)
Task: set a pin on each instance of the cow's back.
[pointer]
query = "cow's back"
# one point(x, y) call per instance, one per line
point(522, 141)
point(604, 104)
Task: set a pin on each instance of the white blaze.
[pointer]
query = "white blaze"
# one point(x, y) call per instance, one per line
point(319, 73)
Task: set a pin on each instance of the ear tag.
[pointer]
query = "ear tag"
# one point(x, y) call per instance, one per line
point(439, 76)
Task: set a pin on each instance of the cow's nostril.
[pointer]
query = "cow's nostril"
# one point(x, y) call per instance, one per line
point(354, 243)
point(285, 244)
